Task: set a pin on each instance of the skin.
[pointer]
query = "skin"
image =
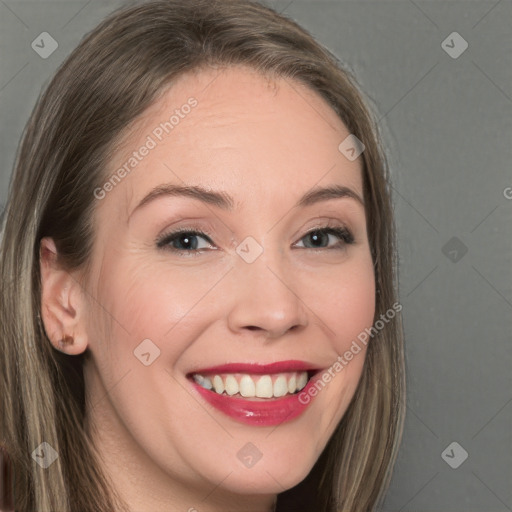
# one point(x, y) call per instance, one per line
point(265, 143)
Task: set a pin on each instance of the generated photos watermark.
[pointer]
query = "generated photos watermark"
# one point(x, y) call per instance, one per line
point(343, 360)
point(151, 142)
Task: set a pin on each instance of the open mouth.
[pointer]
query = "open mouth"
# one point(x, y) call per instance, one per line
point(257, 387)
point(258, 394)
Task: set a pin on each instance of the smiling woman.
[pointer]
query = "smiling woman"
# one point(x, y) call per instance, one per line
point(189, 335)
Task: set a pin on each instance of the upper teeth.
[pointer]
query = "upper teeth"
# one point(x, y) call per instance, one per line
point(261, 386)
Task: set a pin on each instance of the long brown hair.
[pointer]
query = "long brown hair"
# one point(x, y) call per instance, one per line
point(114, 74)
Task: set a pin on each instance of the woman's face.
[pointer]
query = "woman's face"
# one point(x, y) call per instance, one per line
point(252, 288)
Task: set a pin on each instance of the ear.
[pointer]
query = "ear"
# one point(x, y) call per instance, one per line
point(62, 303)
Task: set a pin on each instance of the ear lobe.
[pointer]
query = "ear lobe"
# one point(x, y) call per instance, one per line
point(62, 305)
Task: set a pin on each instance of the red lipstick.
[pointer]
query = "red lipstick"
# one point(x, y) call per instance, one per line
point(259, 411)
point(258, 368)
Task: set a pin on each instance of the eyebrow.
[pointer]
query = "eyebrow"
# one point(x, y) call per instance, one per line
point(224, 201)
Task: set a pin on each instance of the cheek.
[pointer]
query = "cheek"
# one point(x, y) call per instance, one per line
point(151, 301)
point(343, 299)
point(354, 308)
point(345, 303)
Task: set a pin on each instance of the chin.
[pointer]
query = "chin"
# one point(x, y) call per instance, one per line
point(265, 477)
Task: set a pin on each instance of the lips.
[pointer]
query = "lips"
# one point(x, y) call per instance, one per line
point(275, 409)
point(258, 368)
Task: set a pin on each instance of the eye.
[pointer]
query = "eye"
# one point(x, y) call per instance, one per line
point(319, 238)
point(188, 240)
point(184, 241)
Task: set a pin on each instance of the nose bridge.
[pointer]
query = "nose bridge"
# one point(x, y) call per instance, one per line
point(264, 294)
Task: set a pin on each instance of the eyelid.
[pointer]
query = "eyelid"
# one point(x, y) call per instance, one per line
point(190, 226)
point(326, 223)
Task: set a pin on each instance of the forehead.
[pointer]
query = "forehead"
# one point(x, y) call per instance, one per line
point(233, 128)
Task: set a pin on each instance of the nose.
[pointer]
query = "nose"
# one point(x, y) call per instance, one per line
point(264, 299)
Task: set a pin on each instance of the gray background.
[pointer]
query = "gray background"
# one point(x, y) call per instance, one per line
point(447, 126)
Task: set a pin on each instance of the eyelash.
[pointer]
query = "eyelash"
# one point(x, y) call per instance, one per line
point(345, 236)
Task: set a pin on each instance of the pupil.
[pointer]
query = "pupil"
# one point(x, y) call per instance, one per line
point(185, 240)
point(316, 237)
